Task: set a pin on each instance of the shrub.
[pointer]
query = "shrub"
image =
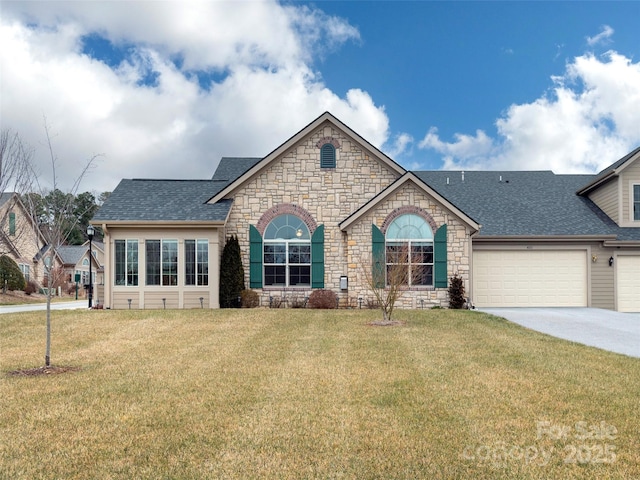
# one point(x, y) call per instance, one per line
point(32, 287)
point(10, 275)
point(323, 299)
point(231, 274)
point(298, 302)
point(275, 302)
point(250, 299)
point(456, 293)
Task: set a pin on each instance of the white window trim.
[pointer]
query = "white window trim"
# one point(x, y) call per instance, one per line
point(632, 186)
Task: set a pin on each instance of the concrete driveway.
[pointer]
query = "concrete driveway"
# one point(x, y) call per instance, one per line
point(606, 329)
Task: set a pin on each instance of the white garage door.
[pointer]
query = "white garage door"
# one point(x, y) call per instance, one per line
point(628, 283)
point(531, 278)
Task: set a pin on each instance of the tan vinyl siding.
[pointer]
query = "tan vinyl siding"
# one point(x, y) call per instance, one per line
point(121, 299)
point(606, 197)
point(602, 293)
point(192, 299)
point(153, 300)
point(630, 176)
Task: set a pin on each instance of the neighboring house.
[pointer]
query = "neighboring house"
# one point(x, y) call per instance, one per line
point(19, 239)
point(326, 207)
point(75, 261)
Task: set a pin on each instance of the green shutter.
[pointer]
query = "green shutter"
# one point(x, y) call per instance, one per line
point(12, 223)
point(255, 258)
point(440, 257)
point(377, 255)
point(317, 258)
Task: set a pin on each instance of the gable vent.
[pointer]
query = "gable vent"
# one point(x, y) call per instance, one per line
point(328, 156)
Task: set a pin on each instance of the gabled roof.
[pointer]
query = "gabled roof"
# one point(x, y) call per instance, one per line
point(145, 200)
point(5, 197)
point(408, 177)
point(71, 254)
point(521, 203)
point(325, 117)
point(609, 172)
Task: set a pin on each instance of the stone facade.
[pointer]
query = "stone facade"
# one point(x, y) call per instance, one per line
point(294, 182)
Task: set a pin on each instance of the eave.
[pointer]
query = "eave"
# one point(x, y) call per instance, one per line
point(158, 223)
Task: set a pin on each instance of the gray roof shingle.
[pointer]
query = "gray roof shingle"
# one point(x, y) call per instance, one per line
point(71, 254)
point(147, 200)
point(231, 168)
point(523, 203)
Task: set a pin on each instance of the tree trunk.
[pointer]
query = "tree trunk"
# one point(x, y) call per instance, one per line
point(47, 354)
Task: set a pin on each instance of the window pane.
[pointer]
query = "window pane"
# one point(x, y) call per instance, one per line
point(397, 274)
point(286, 227)
point(169, 262)
point(274, 275)
point(275, 253)
point(421, 252)
point(636, 202)
point(299, 253)
point(132, 262)
point(120, 262)
point(153, 262)
point(421, 274)
point(397, 252)
point(203, 262)
point(300, 275)
point(409, 227)
point(189, 262)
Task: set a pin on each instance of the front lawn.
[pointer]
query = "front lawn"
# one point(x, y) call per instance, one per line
point(310, 394)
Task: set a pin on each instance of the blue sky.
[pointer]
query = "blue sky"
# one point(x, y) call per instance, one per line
point(164, 89)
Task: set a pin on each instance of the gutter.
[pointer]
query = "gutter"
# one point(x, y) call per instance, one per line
point(622, 243)
point(544, 238)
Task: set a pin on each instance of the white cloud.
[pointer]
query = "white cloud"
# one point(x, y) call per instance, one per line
point(174, 128)
point(400, 144)
point(603, 37)
point(588, 121)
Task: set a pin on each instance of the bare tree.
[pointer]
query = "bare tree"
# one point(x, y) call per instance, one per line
point(15, 160)
point(52, 228)
point(388, 280)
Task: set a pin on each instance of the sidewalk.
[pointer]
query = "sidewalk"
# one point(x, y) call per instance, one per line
point(32, 307)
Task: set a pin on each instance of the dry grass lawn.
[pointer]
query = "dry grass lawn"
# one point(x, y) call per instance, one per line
point(310, 394)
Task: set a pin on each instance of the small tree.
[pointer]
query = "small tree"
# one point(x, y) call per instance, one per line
point(51, 227)
point(11, 278)
point(231, 274)
point(388, 283)
point(456, 292)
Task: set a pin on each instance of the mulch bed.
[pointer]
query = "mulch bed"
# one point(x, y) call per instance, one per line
point(50, 370)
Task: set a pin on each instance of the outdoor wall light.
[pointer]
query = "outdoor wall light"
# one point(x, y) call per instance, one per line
point(594, 258)
point(611, 261)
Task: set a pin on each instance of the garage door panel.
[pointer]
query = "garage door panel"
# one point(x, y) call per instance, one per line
point(530, 278)
point(628, 283)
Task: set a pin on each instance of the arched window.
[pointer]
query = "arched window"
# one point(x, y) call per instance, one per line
point(409, 251)
point(287, 252)
point(328, 156)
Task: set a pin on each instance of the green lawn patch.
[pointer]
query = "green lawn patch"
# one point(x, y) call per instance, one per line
point(310, 394)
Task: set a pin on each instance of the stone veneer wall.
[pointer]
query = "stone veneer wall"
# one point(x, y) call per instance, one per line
point(330, 196)
point(458, 248)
